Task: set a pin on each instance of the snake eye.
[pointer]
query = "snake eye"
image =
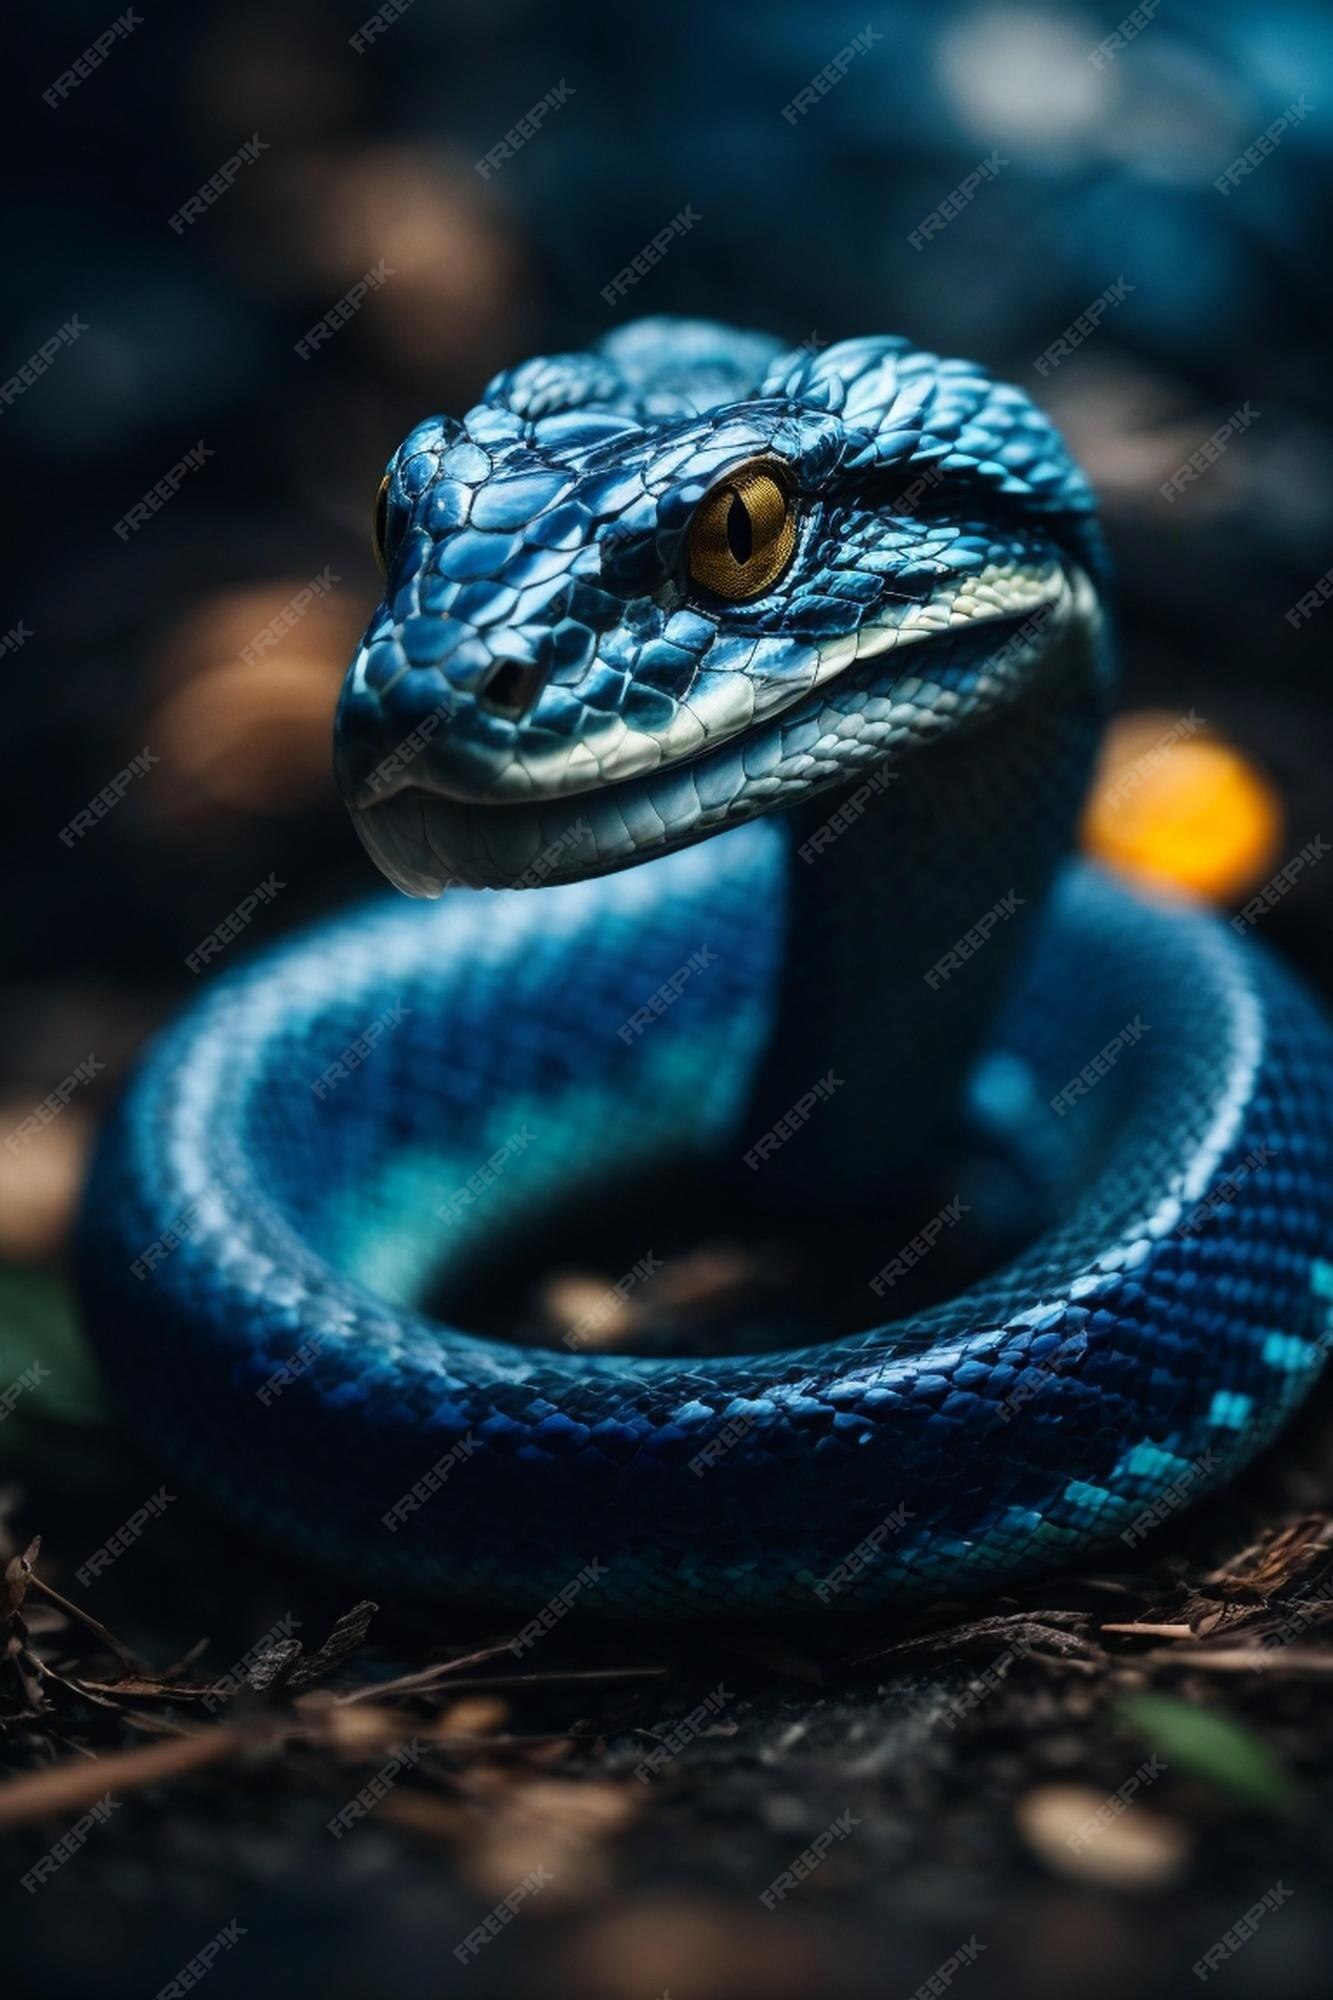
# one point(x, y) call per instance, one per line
point(379, 526)
point(743, 532)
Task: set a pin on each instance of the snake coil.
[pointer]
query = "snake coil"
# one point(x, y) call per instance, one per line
point(890, 734)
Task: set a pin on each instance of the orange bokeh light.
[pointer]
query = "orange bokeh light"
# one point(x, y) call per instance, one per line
point(1182, 810)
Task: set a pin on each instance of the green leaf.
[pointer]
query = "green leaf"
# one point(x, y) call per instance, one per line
point(45, 1362)
point(1206, 1743)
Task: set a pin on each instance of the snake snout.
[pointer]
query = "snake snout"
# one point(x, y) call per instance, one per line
point(434, 704)
point(446, 729)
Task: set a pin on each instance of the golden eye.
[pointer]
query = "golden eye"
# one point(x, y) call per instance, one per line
point(379, 526)
point(743, 532)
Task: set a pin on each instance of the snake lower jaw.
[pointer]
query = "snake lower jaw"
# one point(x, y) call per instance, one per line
point(425, 843)
point(394, 836)
point(862, 719)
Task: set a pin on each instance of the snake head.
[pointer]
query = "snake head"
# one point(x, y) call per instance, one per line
point(640, 594)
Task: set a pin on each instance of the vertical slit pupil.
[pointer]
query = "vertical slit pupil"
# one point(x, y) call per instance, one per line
point(740, 535)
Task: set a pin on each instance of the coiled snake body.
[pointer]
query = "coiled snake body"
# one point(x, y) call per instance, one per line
point(840, 609)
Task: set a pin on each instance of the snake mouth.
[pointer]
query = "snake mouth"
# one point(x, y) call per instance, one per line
point(426, 841)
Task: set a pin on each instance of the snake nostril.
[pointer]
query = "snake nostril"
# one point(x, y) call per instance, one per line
point(510, 688)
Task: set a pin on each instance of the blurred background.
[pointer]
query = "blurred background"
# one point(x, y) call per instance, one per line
point(214, 630)
point(170, 674)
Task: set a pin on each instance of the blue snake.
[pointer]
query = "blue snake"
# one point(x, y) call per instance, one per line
point(817, 636)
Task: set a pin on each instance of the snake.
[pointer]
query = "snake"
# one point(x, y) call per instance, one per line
point(726, 722)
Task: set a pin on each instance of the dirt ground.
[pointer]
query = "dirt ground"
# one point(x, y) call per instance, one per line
point(1108, 1782)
